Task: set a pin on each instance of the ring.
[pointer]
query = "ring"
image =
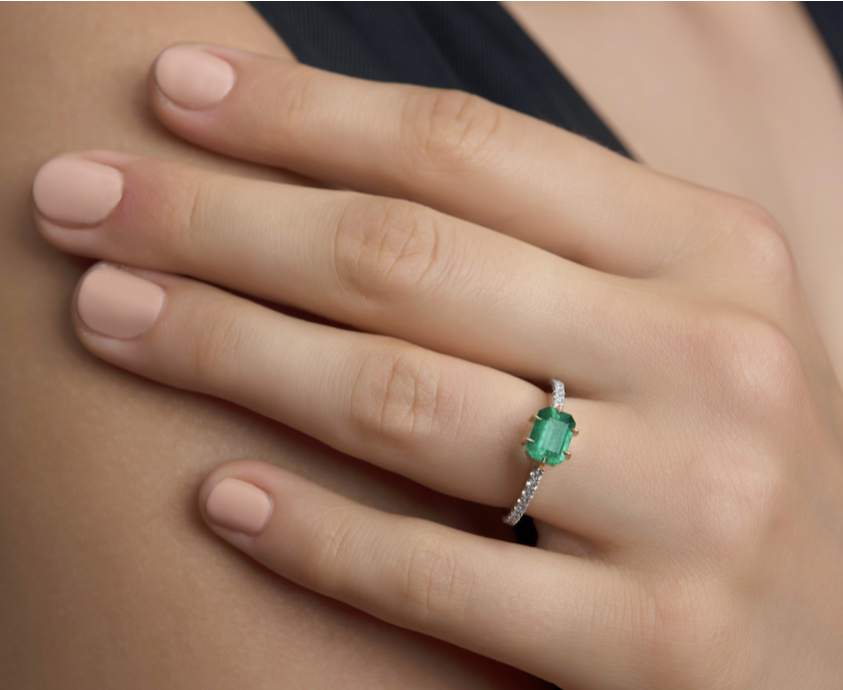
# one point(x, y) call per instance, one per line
point(547, 445)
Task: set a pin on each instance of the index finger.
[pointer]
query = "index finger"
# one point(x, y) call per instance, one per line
point(446, 149)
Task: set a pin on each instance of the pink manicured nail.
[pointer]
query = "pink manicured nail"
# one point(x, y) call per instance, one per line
point(72, 190)
point(238, 505)
point(118, 304)
point(193, 78)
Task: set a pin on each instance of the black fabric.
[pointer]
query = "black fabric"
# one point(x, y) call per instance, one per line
point(828, 18)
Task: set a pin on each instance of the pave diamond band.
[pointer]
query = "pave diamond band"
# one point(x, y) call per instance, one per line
point(533, 479)
point(547, 445)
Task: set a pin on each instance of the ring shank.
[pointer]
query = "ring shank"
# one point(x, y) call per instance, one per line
point(520, 507)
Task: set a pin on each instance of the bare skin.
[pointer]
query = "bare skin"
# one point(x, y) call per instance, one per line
point(108, 577)
point(95, 591)
point(740, 97)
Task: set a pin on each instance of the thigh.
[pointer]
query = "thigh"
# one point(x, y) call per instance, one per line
point(108, 577)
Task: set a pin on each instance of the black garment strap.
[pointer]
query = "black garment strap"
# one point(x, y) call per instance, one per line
point(472, 46)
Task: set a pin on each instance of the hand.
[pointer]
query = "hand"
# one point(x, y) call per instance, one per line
point(695, 538)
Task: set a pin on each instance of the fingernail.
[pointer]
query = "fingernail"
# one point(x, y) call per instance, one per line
point(193, 78)
point(118, 304)
point(72, 190)
point(239, 506)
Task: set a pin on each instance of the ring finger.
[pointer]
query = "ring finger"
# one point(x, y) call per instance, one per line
point(449, 424)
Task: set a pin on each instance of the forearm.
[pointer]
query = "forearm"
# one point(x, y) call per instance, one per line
point(108, 577)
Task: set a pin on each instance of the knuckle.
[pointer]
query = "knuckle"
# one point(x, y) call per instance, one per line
point(169, 208)
point(192, 218)
point(334, 536)
point(745, 363)
point(180, 210)
point(666, 625)
point(448, 130)
point(294, 102)
point(386, 249)
point(215, 344)
point(400, 396)
point(432, 584)
point(758, 242)
point(736, 507)
point(687, 632)
point(750, 510)
point(766, 367)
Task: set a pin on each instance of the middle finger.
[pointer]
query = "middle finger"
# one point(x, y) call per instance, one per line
point(378, 264)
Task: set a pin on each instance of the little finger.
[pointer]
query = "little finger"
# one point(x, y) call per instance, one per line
point(505, 601)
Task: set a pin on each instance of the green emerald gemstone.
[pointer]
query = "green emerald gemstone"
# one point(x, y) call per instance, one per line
point(551, 436)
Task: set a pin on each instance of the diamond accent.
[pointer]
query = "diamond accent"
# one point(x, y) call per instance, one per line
point(523, 501)
point(558, 393)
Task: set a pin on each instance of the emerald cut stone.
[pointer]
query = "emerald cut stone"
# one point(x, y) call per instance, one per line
point(551, 436)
